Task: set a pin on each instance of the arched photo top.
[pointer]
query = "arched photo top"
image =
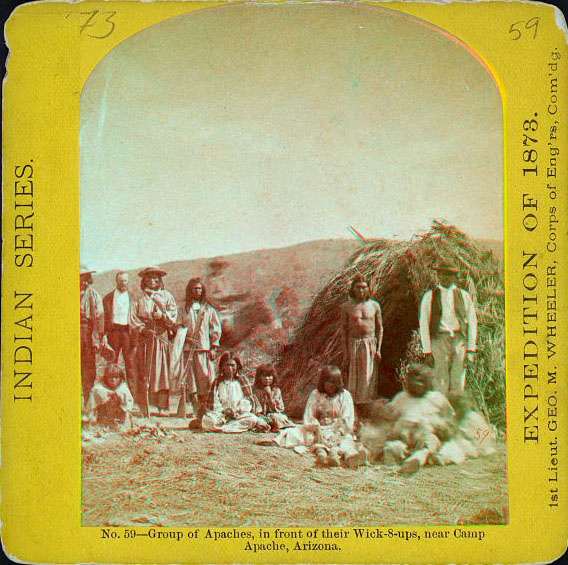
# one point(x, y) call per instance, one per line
point(256, 126)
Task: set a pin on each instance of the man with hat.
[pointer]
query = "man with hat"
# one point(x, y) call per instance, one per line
point(151, 317)
point(221, 295)
point(448, 330)
point(92, 326)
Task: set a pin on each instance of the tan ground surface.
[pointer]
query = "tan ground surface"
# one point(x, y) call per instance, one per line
point(188, 478)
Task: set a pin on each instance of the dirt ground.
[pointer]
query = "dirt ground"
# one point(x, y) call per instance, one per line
point(173, 476)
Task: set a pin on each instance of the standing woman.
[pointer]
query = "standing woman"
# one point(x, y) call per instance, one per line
point(152, 315)
point(329, 419)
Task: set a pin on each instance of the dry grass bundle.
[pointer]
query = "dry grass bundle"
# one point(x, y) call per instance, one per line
point(399, 273)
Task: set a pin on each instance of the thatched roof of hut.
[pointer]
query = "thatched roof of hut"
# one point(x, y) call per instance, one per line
point(399, 273)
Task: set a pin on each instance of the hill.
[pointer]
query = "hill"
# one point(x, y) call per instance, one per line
point(304, 268)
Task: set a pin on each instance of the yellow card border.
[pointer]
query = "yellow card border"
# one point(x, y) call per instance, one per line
point(48, 65)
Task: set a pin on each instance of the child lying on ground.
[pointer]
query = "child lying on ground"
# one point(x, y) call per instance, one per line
point(423, 419)
point(271, 405)
point(110, 402)
point(474, 437)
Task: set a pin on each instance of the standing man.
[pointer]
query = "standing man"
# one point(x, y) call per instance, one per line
point(362, 337)
point(152, 316)
point(448, 330)
point(200, 349)
point(116, 305)
point(92, 327)
point(221, 294)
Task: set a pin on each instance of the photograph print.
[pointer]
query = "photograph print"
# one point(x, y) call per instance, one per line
point(292, 274)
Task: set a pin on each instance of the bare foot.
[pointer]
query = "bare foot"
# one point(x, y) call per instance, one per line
point(266, 442)
point(409, 467)
point(194, 424)
point(359, 459)
point(333, 461)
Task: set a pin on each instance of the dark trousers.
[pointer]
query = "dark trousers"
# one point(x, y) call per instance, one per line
point(120, 340)
point(88, 370)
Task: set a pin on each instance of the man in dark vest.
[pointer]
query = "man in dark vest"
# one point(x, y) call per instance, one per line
point(448, 330)
point(116, 306)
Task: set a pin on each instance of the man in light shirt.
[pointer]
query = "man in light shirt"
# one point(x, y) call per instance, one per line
point(448, 330)
point(116, 305)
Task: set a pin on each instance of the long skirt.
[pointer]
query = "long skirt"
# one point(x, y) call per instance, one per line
point(362, 378)
point(199, 378)
point(153, 373)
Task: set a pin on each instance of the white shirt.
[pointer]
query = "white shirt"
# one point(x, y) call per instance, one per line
point(341, 405)
point(449, 321)
point(120, 308)
point(229, 394)
point(210, 330)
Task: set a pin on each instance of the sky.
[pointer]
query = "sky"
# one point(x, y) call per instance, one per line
point(250, 127)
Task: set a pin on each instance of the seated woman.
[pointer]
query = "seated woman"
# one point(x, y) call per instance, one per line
point(329, 418)
point(423, 418)
point(474, 436)
point(110, 402)
point(231, 404)
point(269, 397)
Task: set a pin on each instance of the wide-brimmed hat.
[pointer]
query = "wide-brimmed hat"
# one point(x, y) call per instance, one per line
point(152, 271)
point(84, 270)
point(218, 263)
point(447, 266)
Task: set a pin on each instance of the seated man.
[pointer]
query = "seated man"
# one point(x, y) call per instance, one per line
point(474, 436)
point(422, 420)
point(110, 402)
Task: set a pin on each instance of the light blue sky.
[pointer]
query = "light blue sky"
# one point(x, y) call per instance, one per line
point(249, 127)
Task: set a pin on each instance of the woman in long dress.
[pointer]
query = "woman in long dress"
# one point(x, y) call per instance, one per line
point(151, 317)
point(329, 419)
point(232, 405)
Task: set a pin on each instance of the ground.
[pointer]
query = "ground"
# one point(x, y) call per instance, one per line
point(173, 476)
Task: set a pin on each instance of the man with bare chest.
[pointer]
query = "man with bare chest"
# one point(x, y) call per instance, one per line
point(362, 336)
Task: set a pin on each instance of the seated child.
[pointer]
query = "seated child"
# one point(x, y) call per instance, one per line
point(269, 396)
point(328, 424)
point(110, 402)
point(231, 405)
point(474, 436)
point(423, 418)
point(331, 439)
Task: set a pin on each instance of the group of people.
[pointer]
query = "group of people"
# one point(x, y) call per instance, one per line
point(161, 346)
point(156, 349)
point(418, 426)
point(448, 333)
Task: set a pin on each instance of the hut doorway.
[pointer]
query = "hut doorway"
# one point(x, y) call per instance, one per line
point(400, 319)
